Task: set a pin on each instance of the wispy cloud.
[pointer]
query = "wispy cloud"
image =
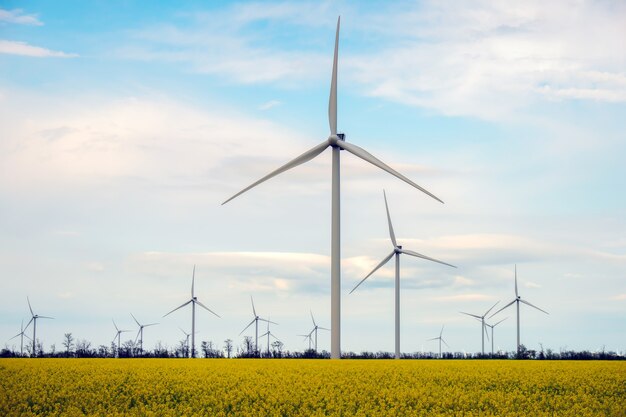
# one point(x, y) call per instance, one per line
point(24, 49)
point(269, 104)
point(18, 16)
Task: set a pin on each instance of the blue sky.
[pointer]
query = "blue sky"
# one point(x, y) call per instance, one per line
point(124, 125)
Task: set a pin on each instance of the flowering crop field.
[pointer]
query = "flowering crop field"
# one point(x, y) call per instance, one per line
point(245, 387)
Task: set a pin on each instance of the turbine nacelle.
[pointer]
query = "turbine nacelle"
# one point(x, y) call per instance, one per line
point(333, 139)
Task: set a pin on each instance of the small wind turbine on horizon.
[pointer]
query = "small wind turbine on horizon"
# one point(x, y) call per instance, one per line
point(482, 324)
point(440, 338)
point(255, 321)
point(336, 141)
point(492, 327)
point(315, 329)
point(307, 336)
point(33, 319)
point(517, 300)
point(397, 250)
point(186, 344)
point(140, 333)
point(22, 334)
point(268, 334)
point(193, 301)
point(118, 336)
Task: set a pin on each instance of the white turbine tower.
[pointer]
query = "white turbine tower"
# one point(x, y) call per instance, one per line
point(140, 333)
point(482, 324)
point(193, 301)
point(118, 336)
point(22, 335)
point(517, 300)
point(255, 320)
point(491, 326)
point(440, 338)
point(337, 142)
point(33, 319)
point(397, 250)
point(315, 329)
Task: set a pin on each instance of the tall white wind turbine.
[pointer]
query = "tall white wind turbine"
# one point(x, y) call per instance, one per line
point(193, 301)
point(483, 328)
point(255, 321)
point(118, 336)
point(269, 334)
point(337, 142)
point(440, 338)
point(34, 318)
point(492, 326)
point(397, 250)
point(518, 299)
point(21, 334)
point(315, 329)
point(140, 333)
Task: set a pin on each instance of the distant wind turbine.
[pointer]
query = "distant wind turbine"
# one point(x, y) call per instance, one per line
point(308, 336)
point(517, 300)
point(492, 327)
point(118, 336)
point(140, 333)
point(483, 330)
point(440, 338)
point(193, 301)
point(397, 250)
point(315, 329)
point(269, 334)
point(255, 321)
point(22, 335)
point(33, 319)
point(337, 142)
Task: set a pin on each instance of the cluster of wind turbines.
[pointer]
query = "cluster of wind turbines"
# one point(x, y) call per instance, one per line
point(33, 319)
point(337, 142)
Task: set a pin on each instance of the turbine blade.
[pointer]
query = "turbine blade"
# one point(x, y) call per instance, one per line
point(392, 235)
point(366, 156)
point(486, 332)
point(135, 321)
point(491, 308)
point(180, 306)
point(45, 317)
point(312, 318)
point(115, 325)
point(193, 281)
point(19, 334)
point(246, 328)
point(332, 101)
point(253, 309)
point(434, 338)
point(499, 322)
point(509, 304)
point(305, 157)
point(267, 321)
point(323, 328)
point(516, 294)
point(534, 306)
point(207, 308)
point(419, 255)
point(441, 332)
point(383, 262)
point(29, 322)
point(29, 307)
point(151, 324)
point(472, 315)
point(444, 342)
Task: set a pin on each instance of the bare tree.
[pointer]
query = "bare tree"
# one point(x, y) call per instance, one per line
point(68, 342)
point(228, 347)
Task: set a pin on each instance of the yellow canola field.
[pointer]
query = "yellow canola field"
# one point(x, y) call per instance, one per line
point(244, 387)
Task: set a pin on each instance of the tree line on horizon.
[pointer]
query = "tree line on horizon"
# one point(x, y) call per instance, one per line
point(82, 348)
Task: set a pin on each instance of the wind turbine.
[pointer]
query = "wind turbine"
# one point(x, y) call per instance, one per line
point(140, 332)
point(482, 324)
point(315, 329)
point(518, 299)
point(193, 301)
point(337, 142)
point(492, 326)
point(397, 250)
point(186, 338)
point(255, 320)
point(440, 338)
point(22, 334)
point(118, 337)
point(33, 319)
point(268, 334)
point(307, 336)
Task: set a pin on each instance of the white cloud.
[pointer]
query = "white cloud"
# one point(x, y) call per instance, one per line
point(18, 16)
point(269, 104)
point(24, 49)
